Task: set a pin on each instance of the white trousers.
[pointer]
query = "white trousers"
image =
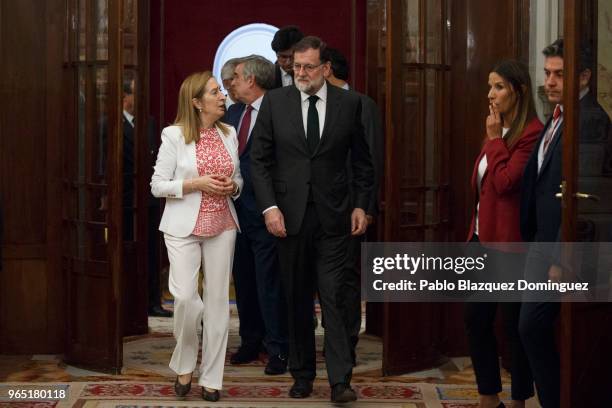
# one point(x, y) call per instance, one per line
point(186, 255)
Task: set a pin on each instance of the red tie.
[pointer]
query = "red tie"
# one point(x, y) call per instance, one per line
point(243, 133)
point(553, 128)
point(557, 112)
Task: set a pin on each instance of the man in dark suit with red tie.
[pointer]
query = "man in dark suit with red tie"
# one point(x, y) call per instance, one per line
point(256, 274)
point(301, 143)
point(541, 215)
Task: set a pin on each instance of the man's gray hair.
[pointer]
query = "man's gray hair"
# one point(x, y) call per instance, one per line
point(227, 72)
point(260, 68)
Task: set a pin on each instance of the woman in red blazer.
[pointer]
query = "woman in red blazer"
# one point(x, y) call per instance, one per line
point(512, 130)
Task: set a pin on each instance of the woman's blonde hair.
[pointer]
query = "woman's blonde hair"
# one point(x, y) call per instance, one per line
point(187, 115)
point(516, 74)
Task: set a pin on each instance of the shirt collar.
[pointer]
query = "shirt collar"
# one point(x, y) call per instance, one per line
point(283, 72)
point(129, 117)
point(346, 86)
point(321, 93)
point(257, 103)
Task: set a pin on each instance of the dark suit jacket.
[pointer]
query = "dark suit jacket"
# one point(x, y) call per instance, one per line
point(373, 130)
point(284, 172)
point(500, 189)
point(247, 195)
point(540, 209)
point(278, 81)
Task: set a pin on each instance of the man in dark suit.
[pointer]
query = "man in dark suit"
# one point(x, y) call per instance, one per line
point(129, 156)
point(373, 129)
point(541, 215)
point(256, 276)
point(301, 143)
point(282, 44)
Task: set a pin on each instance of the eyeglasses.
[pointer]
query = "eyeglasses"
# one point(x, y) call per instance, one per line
point(307, 67)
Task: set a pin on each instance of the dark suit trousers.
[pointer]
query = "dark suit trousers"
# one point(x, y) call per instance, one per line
point(479, 324)
point(258, 290)
point(315, 259)
point(351, 292)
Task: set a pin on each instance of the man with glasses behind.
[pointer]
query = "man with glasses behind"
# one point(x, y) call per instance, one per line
point(301, 145)
point(282, 44)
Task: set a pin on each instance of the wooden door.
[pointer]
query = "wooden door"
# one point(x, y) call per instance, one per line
point(92, 185)
point(417, 90)
point(586, 328)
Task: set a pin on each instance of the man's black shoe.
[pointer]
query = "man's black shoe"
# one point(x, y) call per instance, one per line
point(158, 311)
point(276, 365)
point(342, 393)
point(301, 389)
point(245, 355)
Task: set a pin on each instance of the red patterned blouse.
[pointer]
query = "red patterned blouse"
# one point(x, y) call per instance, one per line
point(212, 158)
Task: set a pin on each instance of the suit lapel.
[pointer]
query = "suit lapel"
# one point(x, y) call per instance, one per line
point(551, 148)
point(332, 108)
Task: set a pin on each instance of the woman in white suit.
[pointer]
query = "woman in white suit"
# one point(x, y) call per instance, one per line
point(198, 173)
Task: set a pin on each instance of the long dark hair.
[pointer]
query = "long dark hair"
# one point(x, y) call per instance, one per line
point(516, 74)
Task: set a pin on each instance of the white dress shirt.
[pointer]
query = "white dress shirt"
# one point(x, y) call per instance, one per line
point(256, 105)
point(129, 117)
point(320, 105)
point(286, 78)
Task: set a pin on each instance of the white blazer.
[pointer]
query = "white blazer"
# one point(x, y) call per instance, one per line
point(176, 161)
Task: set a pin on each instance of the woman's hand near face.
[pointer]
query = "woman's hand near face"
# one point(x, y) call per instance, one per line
point(494, 124)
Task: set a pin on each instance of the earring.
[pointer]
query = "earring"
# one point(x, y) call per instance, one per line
point(200, 110)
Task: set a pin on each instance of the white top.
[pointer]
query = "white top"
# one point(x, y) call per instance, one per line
point(482, 168)
point(320, 105)
point(286, 78)
point(256, 105)
point(129, 117)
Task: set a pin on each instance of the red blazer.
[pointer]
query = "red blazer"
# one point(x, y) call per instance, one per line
point(500, 191)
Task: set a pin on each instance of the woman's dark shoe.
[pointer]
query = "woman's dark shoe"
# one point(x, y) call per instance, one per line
point(181, 389)
point(212, 396)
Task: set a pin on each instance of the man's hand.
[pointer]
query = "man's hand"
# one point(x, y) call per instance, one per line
point(555, 273)
point(359, 222)
point(275, 222)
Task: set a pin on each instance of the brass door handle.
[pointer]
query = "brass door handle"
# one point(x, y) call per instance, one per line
point(582, 196)
point(585, 196)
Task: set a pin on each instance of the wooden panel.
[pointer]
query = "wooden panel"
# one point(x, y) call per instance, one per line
point(23, 291)
point(31, 43)
point(22, 121)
